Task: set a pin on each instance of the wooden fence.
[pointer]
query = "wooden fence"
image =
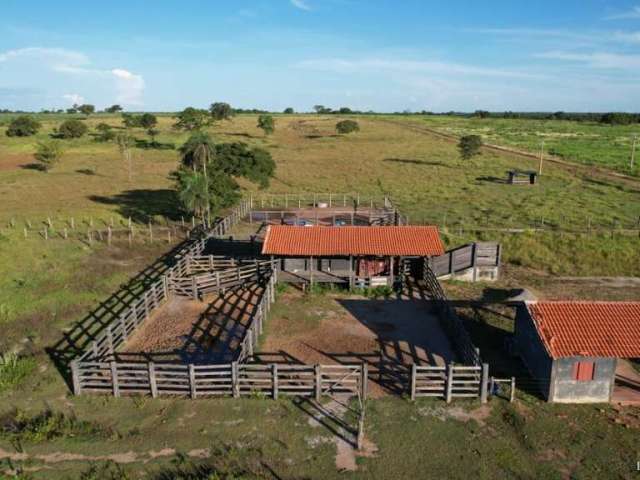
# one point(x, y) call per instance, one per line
point(449, 319)
point(196, 286)
point(450, 381)
point(304, 200)
point(232, 379)
point(479, 254)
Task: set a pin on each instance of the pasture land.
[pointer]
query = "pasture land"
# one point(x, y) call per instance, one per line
point(48, 285)
point(585, 143)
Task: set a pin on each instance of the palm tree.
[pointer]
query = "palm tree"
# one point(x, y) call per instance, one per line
point(193, 192)
point(196, 153)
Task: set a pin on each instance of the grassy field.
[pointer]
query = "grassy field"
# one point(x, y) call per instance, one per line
point(586, 143)
point(46, 286)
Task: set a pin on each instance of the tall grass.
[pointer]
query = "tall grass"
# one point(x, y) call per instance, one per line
point(14, 369)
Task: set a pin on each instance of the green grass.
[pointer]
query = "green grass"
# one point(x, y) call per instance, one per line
point(47, 286)
point(14, 369)
point(587, 143)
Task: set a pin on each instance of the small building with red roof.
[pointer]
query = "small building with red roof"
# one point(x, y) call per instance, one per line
point(368, 254)
point(572, 347)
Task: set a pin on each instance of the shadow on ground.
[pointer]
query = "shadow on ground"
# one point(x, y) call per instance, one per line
point(143, 205)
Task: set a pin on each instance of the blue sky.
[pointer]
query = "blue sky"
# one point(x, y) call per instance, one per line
point(382, 55)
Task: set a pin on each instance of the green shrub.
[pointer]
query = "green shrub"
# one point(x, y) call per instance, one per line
point(72, 129)
point(469, 146)
point(23, 126)
point(21, 427)
point(14, 369)
point(347, 126)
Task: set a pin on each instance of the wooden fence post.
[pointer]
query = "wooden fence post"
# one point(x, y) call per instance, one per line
point(250, 343)
point(364, 378)
point(318, 382)
point(484, 383)
point(235, 388)
point(75, 377)
point(413, 381)
point(153, 384)
point(114, 378)
point(449, 382)
point(192, 380)
point(274, 375)
point(512, 397)
point(194, 288)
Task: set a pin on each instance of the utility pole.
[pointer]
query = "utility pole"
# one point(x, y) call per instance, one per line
point(541, 155)
point(633, 151)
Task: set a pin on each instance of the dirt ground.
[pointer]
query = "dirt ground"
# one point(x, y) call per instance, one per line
point(391, 334)
point(196, 331)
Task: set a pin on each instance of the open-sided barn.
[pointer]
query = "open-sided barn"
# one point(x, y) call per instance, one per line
point(371, 255)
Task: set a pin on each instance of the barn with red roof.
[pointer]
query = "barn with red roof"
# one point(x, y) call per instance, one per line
point(371, 255)
point(572, 347)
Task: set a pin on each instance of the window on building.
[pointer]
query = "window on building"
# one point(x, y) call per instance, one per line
point(583, 371)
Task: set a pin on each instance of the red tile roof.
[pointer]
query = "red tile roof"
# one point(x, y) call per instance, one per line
point(351, 240)
point(596, 329)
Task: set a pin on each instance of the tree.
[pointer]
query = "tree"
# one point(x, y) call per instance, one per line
point(72, 129)
point(321, 109)
point(147, 121)
point(267, 124)
point(48, 153)
point(193, 191)
point(197, 151)
point(86, 109)
point(23, 126)
point(345, 110)
point(105, 132)
point(221, 111)
point(289, 110)
point(239, 160)
point(153, 133)
point(347, 126)
point(469, 146)
point(125, 144)
point(192, 119)
point(481, 114)
point(113, 109)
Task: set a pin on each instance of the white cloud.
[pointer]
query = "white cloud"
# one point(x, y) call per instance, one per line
point(129, 87)
point(600, 60)
point(74, 98)
point(629, 37)
point(301, 4)
point(435, 67)
point(50, 56)
point(629, 14)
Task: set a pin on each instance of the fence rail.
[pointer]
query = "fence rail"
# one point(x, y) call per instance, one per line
point(232, 379)
point(450, 381)
point(331, 199)
point(479, 254)
point(449, 319)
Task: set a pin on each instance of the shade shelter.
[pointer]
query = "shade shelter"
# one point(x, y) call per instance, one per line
point(572, 347)
point(359, 255)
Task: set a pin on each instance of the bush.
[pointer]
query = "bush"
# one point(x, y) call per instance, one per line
point(72, 129)
point(48, 154)
point(267, 124)
point(347, 126)
point(105, 133)
point(47, 425)
point(469, 146)
point(23, 126)
point(14, 369)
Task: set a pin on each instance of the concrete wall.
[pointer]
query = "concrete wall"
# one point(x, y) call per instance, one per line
point(529, 347)
point(567, 390)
